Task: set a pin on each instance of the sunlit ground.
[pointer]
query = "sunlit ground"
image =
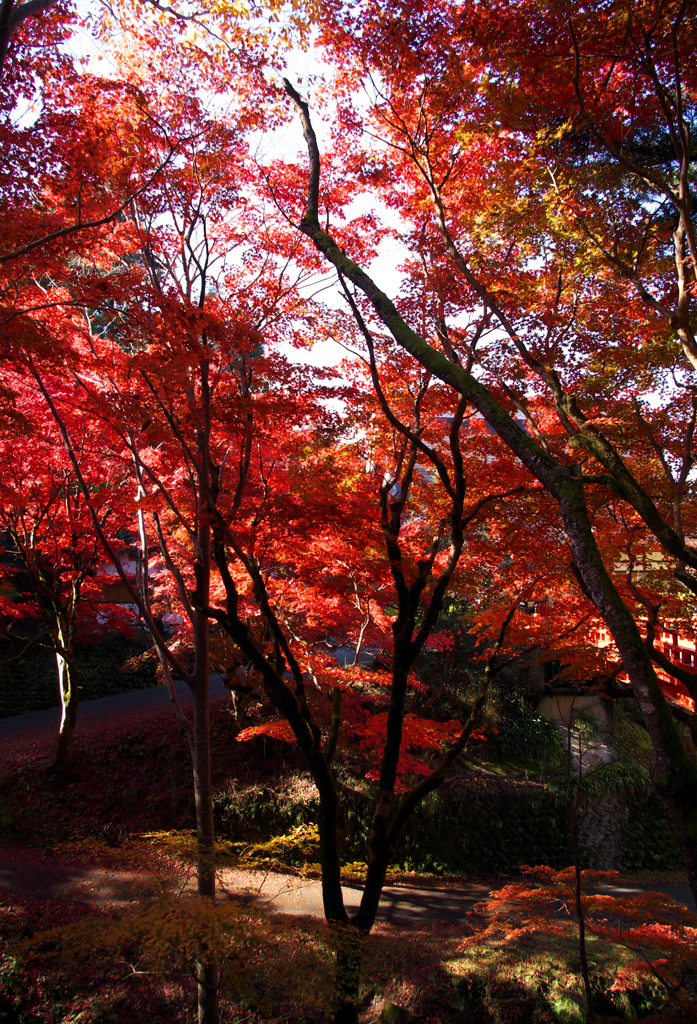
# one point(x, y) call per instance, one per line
point(64, 962)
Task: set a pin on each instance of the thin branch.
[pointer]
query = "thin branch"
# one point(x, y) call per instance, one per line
point(85, 225)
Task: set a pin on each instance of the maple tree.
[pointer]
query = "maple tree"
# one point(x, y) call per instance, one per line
point(75, 302)
point(423, 556)
point(52, 557)
point(655, 930)
point(178, 377)
point(461, 128)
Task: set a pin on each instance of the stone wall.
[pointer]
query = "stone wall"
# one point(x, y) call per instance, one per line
point(601, 832)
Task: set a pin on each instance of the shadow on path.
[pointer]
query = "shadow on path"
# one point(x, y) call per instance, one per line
point(29, 874)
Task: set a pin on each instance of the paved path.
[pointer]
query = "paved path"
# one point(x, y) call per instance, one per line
point(680, 892)
point(30, 874)
point(401, 906)
point(36, 724)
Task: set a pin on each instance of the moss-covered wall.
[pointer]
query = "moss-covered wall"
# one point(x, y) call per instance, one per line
point(493, 835)
point(647, 841)
point(458, 834)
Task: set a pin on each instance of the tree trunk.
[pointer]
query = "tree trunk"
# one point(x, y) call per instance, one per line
point(203, 794)
point(674, 774)
point(350, 945)
point(573, 798)
point(67, 689)
point(206, 968)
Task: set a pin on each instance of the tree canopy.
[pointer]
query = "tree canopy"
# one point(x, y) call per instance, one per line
point(513, 423)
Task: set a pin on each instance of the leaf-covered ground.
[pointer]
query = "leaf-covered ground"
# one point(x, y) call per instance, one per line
point(117, 941)
point(129, 958)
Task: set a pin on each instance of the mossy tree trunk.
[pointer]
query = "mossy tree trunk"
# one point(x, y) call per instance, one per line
point(350, 947)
